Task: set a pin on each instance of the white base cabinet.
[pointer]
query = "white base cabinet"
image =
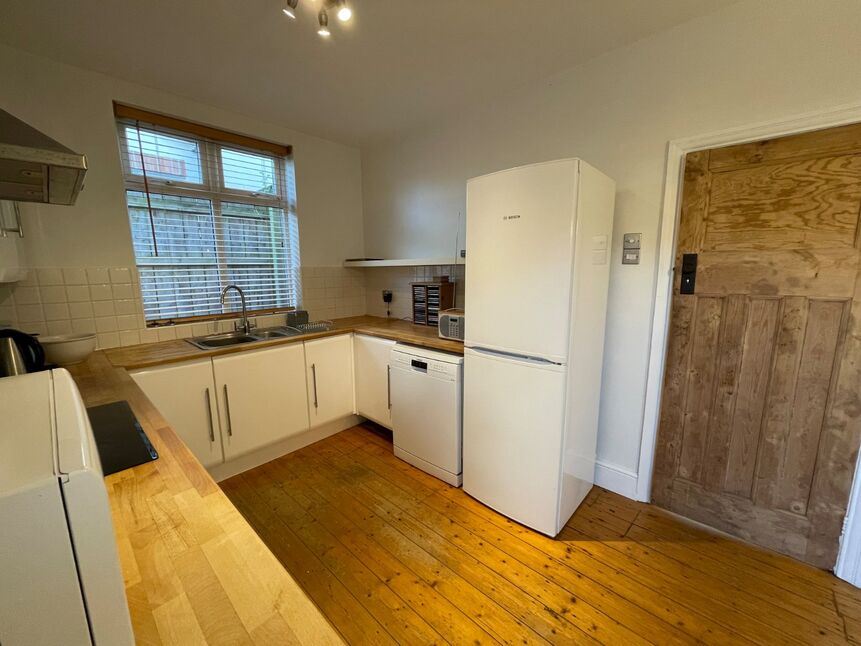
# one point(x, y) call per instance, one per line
point(329, 364)
point(261, 397)
point(230, 406)
point(184, 394)
point(373, 389)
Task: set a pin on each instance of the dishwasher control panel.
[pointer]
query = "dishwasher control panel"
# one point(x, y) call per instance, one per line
point(402, 358)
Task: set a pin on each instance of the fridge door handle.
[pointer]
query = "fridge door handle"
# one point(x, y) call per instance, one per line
point(522, 360)
point(513, 358)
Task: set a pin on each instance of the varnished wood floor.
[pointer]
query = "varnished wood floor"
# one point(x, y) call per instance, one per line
point(392, 555)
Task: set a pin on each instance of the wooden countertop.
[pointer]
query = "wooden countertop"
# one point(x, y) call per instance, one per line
point(154, 354)
point(195, 572)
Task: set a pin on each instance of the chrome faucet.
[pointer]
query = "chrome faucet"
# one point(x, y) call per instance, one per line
point(246, 328)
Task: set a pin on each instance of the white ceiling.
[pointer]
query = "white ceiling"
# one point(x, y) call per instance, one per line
point(398, 63)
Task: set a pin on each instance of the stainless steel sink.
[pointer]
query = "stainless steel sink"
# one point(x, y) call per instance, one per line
point(213, 341)
point(221, 340)
point(274, 333)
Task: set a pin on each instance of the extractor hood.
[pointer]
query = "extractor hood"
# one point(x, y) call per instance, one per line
point(34, 167)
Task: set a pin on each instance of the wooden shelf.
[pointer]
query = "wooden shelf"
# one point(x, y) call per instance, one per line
point(404, 262)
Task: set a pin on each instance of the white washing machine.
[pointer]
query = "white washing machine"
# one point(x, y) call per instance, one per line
point(427, 410)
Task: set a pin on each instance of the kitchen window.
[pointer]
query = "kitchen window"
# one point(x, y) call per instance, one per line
point(208, 208)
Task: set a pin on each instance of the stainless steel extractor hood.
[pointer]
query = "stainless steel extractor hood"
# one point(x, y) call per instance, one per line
point(34, 167)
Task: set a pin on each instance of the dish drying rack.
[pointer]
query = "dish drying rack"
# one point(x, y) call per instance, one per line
point(314, 326)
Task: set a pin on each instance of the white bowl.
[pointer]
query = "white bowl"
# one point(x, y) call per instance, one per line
point(66, 349)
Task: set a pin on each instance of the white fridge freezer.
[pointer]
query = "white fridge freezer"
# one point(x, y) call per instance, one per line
point(536, 283)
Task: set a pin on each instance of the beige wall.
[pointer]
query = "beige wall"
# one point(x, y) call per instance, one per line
point(753, 61)
point(78, 254)
point(75, 107)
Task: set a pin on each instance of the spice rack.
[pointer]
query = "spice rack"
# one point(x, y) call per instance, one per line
point(429, 299)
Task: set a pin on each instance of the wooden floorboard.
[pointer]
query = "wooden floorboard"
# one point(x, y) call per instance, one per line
point(390, 554)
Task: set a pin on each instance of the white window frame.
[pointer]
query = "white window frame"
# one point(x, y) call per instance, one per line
point(212, 176)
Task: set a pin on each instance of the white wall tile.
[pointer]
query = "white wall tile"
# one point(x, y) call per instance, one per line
point(127, 322)
point(78, 293)
point(103, 308)
point(166, 334)
point(149, 335)
point(56, 311)
point(50, 276)
point(97, 275)
point(120, 275)
point(107, 300)
point(74, 276)
point(122, 291)
point(81, 310)
point(30, 280)
point(106, 324)
point(125, 306)
point(183, 331)
point(59, 327)
point(200, 329)
point(30, 313)
point(101, 292)
point(53, 294)
point(81, 326)
point(27, 296)
point(35, 328)
point(108, 340)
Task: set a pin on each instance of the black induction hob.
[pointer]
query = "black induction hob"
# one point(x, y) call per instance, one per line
point(121, 441)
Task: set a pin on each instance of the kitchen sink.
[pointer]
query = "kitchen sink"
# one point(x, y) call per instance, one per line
point(221, 340)
point(212, 341)
point(275, 332)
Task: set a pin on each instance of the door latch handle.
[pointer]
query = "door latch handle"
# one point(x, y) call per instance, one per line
point(689, 273)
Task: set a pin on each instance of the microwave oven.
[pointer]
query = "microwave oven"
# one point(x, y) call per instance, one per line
point(451, 324)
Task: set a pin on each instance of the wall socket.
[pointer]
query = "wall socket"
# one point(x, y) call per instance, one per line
point(631, 248)
point(387, 296)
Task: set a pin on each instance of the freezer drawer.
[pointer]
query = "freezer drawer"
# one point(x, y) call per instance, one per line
point(512, 436)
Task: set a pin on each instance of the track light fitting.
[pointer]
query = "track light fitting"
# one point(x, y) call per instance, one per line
point(344, 12)
point(290, 9)
point(341, 8)
point(323, 17)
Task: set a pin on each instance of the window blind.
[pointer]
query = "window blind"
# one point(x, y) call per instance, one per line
point(205, 213)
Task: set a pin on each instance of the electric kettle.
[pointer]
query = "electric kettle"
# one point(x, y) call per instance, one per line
point(20, 352)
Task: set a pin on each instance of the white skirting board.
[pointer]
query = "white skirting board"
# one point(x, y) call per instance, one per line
point(229, 469)
point(616, 479)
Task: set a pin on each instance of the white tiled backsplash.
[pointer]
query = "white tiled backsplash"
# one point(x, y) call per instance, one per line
point(107, 301)
point(398, 280)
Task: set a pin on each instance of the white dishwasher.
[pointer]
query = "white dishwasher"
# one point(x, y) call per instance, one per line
point(427, 410)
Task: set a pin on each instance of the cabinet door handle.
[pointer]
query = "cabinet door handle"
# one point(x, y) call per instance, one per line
point(5, 229)
point(389, 385)
point(227, 410)
point(209, 416)
point(20, 229)
point(314, 380)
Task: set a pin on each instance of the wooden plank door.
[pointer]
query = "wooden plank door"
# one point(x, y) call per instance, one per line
point(759, 424)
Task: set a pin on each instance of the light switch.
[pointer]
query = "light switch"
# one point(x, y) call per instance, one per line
point(599, 257)
point(599, 243)
point(631, 240)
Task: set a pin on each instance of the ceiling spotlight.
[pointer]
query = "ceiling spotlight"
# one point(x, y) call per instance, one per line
point(344, 12)
point(324, 24)
point(290, 9)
